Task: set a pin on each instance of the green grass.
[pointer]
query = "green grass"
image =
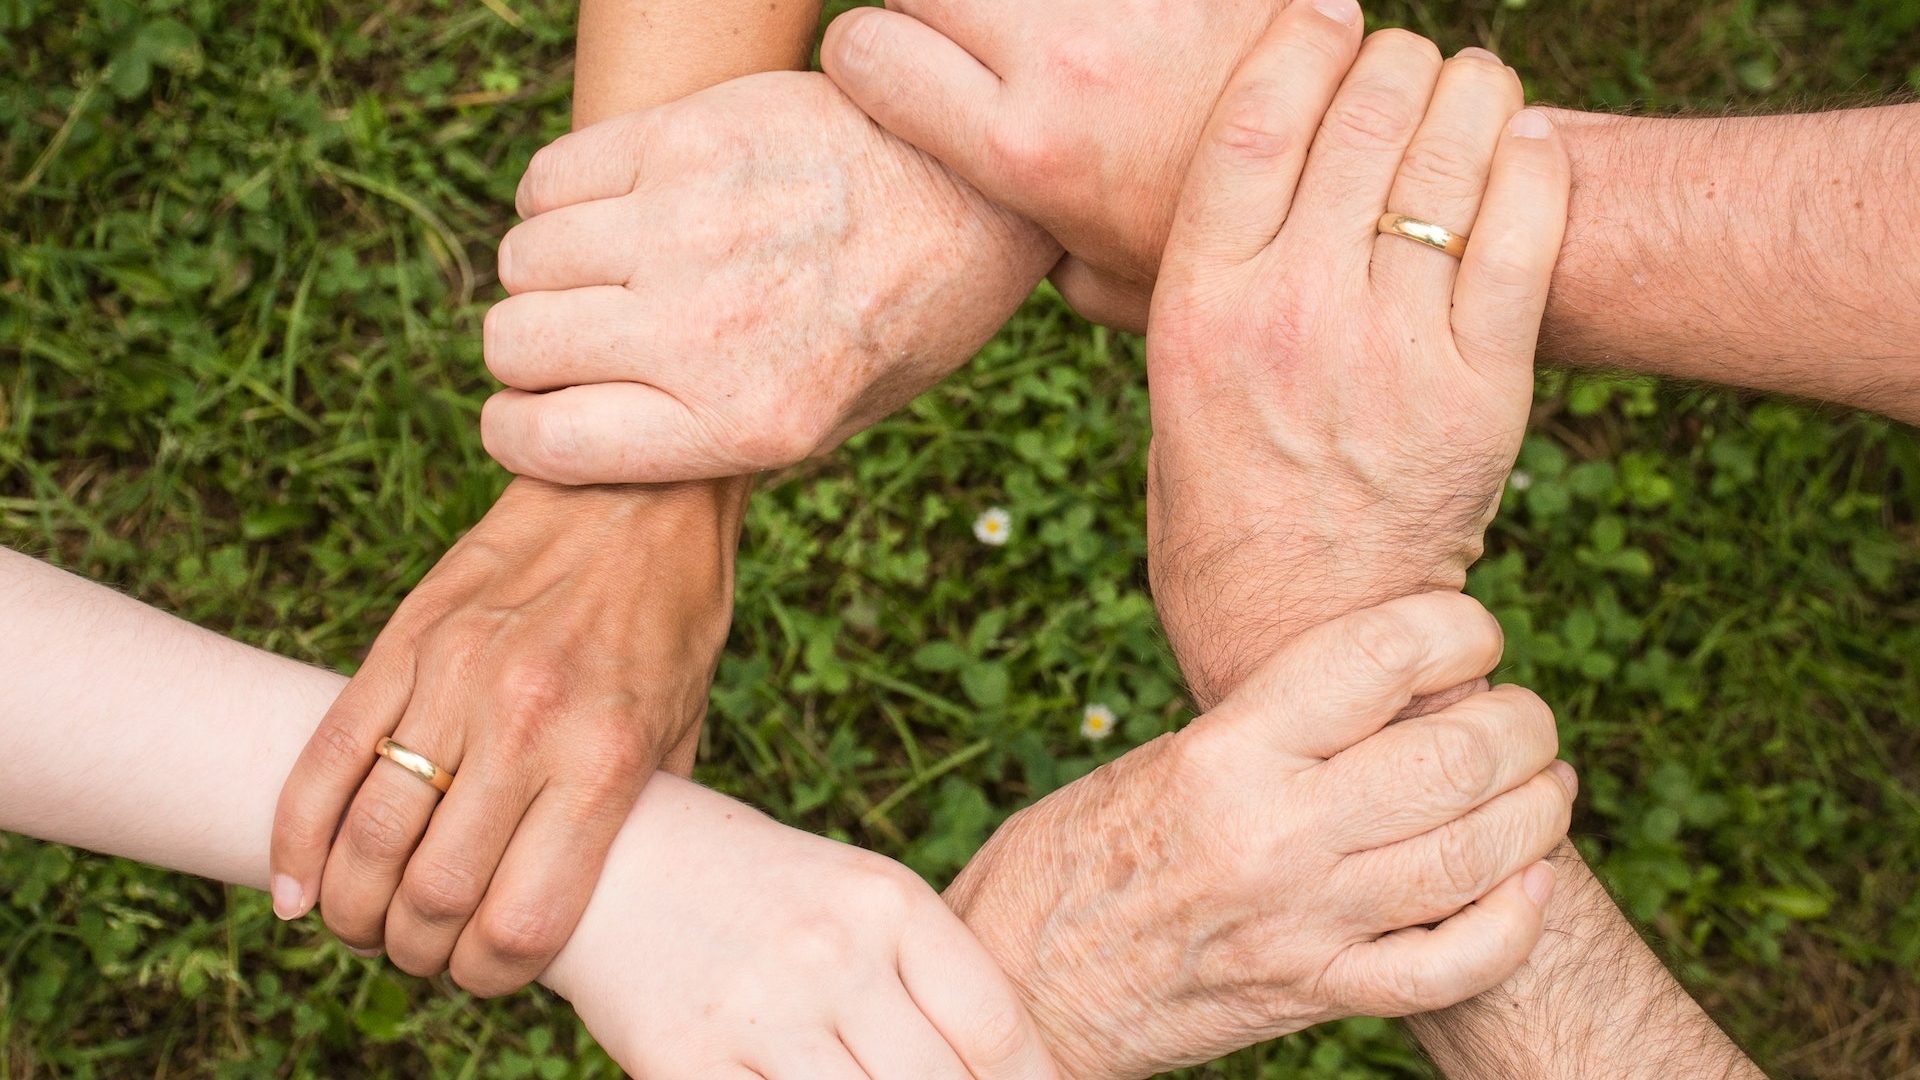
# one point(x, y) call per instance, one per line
point(244, 251)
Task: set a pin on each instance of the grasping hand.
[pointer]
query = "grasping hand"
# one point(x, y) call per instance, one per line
point(735, 282)
point(1080, 115)
point(555, 657)
point(1278, 862)
point(1336, 410)
point(781, 956)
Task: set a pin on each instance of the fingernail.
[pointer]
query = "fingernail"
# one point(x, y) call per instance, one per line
point(1530, 124)
point(364, 954)
point(1475, 52)
point(1569, 779)
point(289, 899)
point(1538, 883)
point(1344, 12)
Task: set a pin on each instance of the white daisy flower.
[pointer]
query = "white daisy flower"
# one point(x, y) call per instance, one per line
point(993, 527)
point(1096, 722)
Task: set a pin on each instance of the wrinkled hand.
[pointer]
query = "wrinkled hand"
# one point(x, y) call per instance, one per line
point(783, 956)
point(557, 655)
point(1276, 863)
point(1336, 411)
point(1079, 114)
point(735, 282)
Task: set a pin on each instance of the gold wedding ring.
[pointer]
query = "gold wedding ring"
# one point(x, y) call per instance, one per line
point(419, 766)
point(1424, 232)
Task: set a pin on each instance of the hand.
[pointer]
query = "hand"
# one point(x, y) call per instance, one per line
point(773, 953)
point(735, 282)
point(1080, 115)
point(1275, 864)
point(557, 654)
point(1336, 411)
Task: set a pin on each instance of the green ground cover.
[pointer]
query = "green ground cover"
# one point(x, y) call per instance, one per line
point(244, 251)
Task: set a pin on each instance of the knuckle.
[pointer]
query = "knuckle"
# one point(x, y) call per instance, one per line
point(339, 745)
point(446, 892)
point(1256, 124)
point(554, 437)
point(378, 830)
point(820, 943)
point(1463, 759)
point(855, 40)
point(1025, 155)
point(521, 933)
point(529, 693)
point(529, 198)
point(1373, 116)
point(1407, 45)
point(1507, 271)
point(1385, 644)
point(1462, 867)
point(1082, 62)
point(1442, 163)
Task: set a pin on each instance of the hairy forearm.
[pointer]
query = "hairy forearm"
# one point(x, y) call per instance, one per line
point(1760, 252)
point(1592, 1002)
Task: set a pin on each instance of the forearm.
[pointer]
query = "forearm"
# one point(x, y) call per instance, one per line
point(1591, 1002)
point(1760, 252)
point(631, 55)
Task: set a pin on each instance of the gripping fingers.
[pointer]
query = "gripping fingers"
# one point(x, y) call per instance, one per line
point(955, 984)
point(606, 433)
point(1344, 680)
point(1450, 867)
point(1422, 773)
point(1419, 970)
point(1241, 184)
point(894, 1039)
point(330, 769)
point(383, 826)
point(448, 875)
point(547, 340)
point(1445, 173)
point(1501, 295)
point(541, 888)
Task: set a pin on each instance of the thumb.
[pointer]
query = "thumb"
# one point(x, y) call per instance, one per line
point(915, 82)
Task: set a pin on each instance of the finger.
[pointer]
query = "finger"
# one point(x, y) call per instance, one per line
point(616, 433)
point(547, 340)
point(1421, 774)
point(1362, 138)
point(331, 767)
point(1419, 970)
point(448, 874)
point(1455, 864)
point(823, 1059)
point(1344, 680)
point(603, 161)
point(1502, 292)
point(915, 82)
point(1102, 298)
point(956, 984)
point(1240, 187)
point(893, 1039)
point(570, 248)
point(388, 816)
point(1445, 173)
point(541, 888)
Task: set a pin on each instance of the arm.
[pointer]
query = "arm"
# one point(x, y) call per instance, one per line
point(1765, 252)
point(1761, 252)
point(125, 730)
point(1398, 392)
point(596, 615)
point(776, 953)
